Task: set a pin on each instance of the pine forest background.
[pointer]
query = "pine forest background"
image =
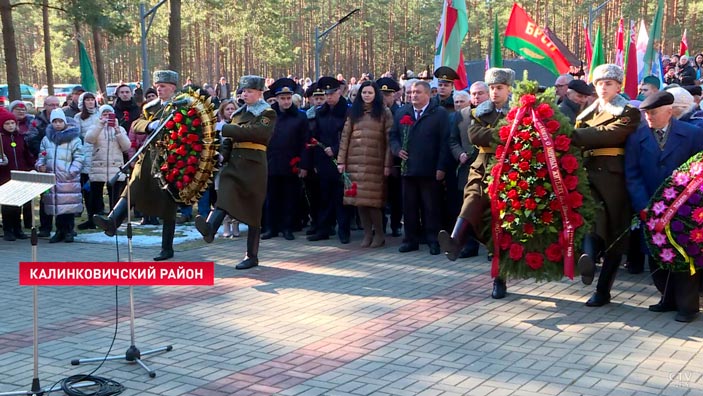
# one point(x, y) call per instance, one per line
point(276, 37)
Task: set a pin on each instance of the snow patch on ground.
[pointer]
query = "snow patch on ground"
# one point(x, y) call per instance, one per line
point(146, 235)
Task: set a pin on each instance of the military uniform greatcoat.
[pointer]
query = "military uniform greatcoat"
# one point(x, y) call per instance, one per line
point(146, 193)
point(481, 133)
point(601, 134)
point(243, 178)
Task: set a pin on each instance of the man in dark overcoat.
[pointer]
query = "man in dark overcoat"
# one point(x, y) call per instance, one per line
point(284, 153)
point(389, 87)
point(601, 131)
point(652, 154)
point(146, 194)
point(482, 133)
point(326, 128)
point(243, 177)
point(422, 145)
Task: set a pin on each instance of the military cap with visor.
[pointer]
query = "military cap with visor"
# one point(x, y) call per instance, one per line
point(328, 84)
point(283, 86)
point(446, 74)
point(387, 84)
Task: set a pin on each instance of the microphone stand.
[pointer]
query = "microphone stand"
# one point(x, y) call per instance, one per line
point(133, 354)
point(36, 389)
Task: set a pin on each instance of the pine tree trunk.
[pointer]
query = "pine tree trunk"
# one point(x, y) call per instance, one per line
point(10, 46)
point(174, 37)
point(47, 47)
point(99, 64)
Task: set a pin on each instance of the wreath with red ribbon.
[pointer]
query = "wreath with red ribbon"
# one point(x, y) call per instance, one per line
point(541, 205)
point(673, 220)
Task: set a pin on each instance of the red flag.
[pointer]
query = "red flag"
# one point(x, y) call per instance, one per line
point(683, 47)
point(630, 86)
point(525, 37)
point(589, 47)
point(620, 44)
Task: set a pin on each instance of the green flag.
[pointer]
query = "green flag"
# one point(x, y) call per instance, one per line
point(496, 56)
point(598, 56)
point(87, 74)
point(650, 56)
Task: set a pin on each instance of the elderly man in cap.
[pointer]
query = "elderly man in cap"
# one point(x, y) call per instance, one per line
point(576, 99)
point(286, 146)
point(326, 128)
point(445, 86)
point(601, 132)
point(146, 194)
point(652, 153)
point(243, 177)
point(482, 133)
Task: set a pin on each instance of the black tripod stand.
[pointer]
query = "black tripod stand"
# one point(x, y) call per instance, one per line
point(133, 354)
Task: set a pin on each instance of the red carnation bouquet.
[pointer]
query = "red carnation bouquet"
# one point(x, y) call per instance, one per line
point(349, 185)
point(673, 220)
point(540, 201)
point(405, 122)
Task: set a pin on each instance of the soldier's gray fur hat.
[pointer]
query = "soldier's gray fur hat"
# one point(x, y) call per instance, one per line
point(252, 82)
point(166, 77)
point(608, 71)
point(496, 75)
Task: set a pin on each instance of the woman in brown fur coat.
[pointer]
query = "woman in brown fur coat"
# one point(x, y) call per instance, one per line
point(364, 154)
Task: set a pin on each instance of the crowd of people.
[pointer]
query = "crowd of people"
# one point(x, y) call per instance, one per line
point(404, 157)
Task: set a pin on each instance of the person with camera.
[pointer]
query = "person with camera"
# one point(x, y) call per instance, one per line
point(108, 141)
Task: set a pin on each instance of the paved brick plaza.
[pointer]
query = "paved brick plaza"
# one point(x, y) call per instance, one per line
point(325, 319)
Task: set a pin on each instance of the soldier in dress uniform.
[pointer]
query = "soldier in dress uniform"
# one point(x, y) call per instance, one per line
point(287, 143)
point(243, 177)
point(482, 133)
point(146, 194)
point(389, 87)
point(317, 98)
point(326, 129)
point(445, 87)
point(311, 181)
point(601, 131)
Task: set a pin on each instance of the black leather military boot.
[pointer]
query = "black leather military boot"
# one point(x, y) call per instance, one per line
point(110, 223)
point(252, 258)
point(169, 231)
point(452, 245)
point(208, 228)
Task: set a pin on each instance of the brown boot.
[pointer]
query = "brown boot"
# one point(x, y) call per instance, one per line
point(365, 218)
point(379, 238)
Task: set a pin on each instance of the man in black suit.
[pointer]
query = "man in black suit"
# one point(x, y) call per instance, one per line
point(419, 137)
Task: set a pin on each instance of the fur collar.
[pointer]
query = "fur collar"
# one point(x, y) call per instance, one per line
point(488, 107)
point(71, 132)
point(615, 107)
point(256, 109)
